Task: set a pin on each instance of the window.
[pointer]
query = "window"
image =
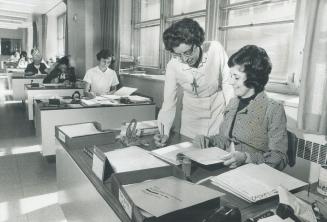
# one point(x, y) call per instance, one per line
point(148, 26)
point(61, 31)
point(266, 24)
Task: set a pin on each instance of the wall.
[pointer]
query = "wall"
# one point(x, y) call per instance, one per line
point(83, 18)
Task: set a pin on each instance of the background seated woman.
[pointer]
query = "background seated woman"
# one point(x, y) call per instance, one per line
point(254, 126)
point(62, 73)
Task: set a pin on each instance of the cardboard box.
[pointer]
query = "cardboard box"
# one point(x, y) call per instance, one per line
point(101, 138)
point(194, 213)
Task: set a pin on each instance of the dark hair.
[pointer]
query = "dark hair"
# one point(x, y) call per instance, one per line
point(185, 31)
point(23, 53)
point(64, 60)
point(255, 63)
point(104, 54)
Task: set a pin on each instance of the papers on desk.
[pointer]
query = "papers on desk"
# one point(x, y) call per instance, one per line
point(51, 84)
point(169, 153)
point(98, 101)
point(79, 129)
point(132, 158)
point(253, 182)
point(162, 196)
point(275, 218)
point(138, 99)
point(206, 156)
point(125, 91)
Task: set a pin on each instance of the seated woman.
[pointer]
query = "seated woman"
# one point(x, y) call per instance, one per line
point(23, 61)
point(62, 73)
point(254, 126)
point(101, 79)
point(36, 67)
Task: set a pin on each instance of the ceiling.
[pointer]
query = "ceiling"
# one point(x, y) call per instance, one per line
point(18, 13)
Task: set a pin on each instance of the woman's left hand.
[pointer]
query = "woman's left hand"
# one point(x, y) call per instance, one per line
point(234, 159)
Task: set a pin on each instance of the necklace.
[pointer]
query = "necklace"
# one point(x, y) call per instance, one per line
point(195, 86)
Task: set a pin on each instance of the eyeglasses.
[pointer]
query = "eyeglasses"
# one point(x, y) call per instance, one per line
point(187, 53)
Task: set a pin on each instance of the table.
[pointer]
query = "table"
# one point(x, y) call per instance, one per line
point(75, 178)
point(46, 91)
point(47, 117)
point(17, 84)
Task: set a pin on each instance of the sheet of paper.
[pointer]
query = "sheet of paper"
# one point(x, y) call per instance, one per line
point(206, 156)
point(132, 158)
point(90, 102)
point(79, 129)
point(139, 99)
point(168, 194)
point(275, 218)
point(169, 153)
point(111, 96)
point(125, 91)
point(251, 182)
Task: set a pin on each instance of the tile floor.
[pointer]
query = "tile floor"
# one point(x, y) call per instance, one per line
point(28, 191)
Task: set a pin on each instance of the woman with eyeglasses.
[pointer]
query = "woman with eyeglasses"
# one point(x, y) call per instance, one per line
point(200, 68)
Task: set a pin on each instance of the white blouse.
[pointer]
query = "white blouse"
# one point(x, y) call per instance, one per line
point(203, 107)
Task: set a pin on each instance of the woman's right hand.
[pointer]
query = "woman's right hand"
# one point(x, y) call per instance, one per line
point(201, 141)
point(161, 140)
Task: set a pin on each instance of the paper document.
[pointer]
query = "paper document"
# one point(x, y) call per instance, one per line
point(125, 91)
point(254, 182)
point(79, 129)
point(90, 102)
point(169, 153)
point(206, 156)
point(111, 96)
point(168, 194)
point(275, 218)
point(138, 99)
point(132, 158)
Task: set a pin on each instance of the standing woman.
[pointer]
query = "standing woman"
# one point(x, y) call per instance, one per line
point(200, 68)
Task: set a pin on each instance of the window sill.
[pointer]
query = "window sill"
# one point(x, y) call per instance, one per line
point(285, 99)
point(145, 76)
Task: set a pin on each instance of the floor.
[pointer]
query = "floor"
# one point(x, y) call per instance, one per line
point(28, 191)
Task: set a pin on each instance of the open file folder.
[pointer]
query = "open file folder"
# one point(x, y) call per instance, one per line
point(253, 182)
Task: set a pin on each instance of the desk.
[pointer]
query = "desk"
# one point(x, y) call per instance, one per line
point(46, 118)
point(46, 92)
point(18, 82)
point(75, 178)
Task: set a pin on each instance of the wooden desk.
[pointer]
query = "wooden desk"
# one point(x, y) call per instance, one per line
point(17, 84)
point(110, 117)
point(45, 92)
point(75, 178)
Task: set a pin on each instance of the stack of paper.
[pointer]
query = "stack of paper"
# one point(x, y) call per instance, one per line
point(206, 156)
point(253, 182)
point(168, 194)
point(79, 129)
point(132, 158)
point(169, 153)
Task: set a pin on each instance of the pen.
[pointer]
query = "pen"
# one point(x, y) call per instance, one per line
point(162, 129)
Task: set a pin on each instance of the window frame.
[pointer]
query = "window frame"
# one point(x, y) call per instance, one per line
point(216, 19)
point(165, 19)
point(62, 17)
point(288, 86)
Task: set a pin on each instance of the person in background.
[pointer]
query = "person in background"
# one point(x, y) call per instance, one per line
point(36, 67)
point(62, 73)
point(200, 68)
point(23, 61)
point(254, 126)
point(101, 79)
point(15, 56)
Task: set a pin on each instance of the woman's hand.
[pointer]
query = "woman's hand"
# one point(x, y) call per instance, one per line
point(160, 140)
point(234, 159)
point(201, 141)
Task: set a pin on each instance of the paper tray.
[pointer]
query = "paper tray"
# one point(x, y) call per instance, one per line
point(191, 214)
point(102, 138)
